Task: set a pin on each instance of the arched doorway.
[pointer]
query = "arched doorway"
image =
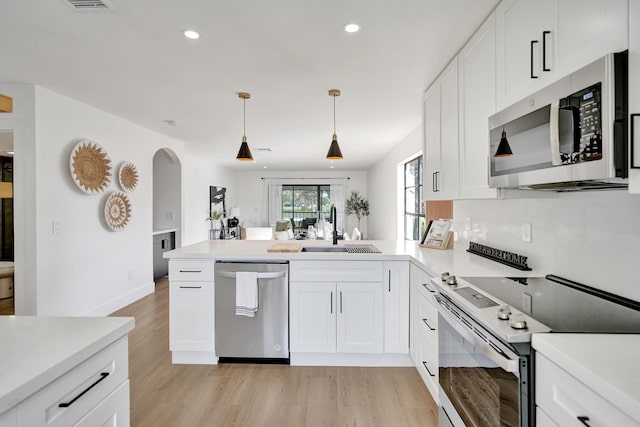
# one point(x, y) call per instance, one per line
point(167, 208)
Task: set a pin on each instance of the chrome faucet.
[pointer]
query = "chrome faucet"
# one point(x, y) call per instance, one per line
point(334, 219)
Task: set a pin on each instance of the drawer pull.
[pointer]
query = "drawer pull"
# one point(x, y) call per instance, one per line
point(103, 375)
point(584, 420)
point(428, 325)
point(427, 368)
point(190, 271)
point(426, 286)
point(190, 287)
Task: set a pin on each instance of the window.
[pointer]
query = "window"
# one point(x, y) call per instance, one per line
point(301, 203)
point(414, 218)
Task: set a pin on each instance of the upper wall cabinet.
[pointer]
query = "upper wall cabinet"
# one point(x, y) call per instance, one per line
point(440, 136)
point(634, 96)
point(477, 99)
point(539, 42)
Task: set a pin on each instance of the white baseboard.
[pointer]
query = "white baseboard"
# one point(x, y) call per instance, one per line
point(350, 359)
point(121, 301)
point(194, 358)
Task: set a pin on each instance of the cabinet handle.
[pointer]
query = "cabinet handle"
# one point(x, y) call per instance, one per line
point(544, 50)
point(426, 286)
point(584, 420)
point(331, 302)
point(428, 325)
point(103, 375)
point(427, 368)
point(438, 181)
point(531, 51)
point(632, 151)
point(340, 302)
point(433, 182)
point(190, 271)
point(389, 280)
point(190, 287)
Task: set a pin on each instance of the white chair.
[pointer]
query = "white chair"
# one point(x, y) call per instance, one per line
point(356, 234)
point(258, 233)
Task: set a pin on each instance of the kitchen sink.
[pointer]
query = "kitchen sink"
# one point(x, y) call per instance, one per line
point(351, 249)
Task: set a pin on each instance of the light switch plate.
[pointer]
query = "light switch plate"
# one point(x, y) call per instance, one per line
point(526, 232)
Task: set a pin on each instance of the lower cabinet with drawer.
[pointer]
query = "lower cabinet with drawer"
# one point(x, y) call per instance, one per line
point(96, 392)
point(191, 311)
point(566, 401)
point(424, 329)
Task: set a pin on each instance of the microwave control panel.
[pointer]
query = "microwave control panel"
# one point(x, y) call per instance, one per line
point(587, 102)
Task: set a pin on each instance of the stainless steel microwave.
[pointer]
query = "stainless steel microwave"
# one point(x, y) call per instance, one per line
point(571, 135)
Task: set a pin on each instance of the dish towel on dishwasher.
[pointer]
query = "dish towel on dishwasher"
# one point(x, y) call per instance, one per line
point(246, 293)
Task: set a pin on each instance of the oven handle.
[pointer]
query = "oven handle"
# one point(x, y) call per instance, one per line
point(507, 360)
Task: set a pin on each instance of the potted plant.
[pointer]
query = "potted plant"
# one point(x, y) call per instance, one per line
point(216, 224)
point(356, 205)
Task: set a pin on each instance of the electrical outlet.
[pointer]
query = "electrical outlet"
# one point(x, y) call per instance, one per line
point(130, 274)
point(55, 226)
point(526, 232)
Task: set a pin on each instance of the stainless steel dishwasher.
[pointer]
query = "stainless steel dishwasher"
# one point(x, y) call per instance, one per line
point(263, 338)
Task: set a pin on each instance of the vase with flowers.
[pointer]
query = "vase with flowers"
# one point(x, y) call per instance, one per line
point(215, 217)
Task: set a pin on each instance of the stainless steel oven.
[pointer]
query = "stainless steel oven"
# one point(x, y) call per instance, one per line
point(483, 382)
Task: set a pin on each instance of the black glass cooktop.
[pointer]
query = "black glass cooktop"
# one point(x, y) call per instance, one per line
point(563, 305)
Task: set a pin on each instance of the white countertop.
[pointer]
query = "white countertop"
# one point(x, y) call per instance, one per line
point(36, 350)
point(457, 261)
point(608, 364)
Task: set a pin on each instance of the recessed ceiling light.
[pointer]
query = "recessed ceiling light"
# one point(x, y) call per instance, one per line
point(190, 34)
point(352, 27)
point(264, 167)
point(330, 167)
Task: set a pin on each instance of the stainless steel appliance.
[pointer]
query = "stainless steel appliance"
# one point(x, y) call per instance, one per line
point(264, 337)
point(570, 135)
point(487, 369)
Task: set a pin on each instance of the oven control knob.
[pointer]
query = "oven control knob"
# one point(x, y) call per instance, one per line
point(517, 321)
point(504, 311)
point(444, 276)
point(451, 280)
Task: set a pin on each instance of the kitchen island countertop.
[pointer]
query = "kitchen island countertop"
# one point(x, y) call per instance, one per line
point(456, 261)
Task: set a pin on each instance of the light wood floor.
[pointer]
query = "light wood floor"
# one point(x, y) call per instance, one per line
point(163, 394)
point(6, 307)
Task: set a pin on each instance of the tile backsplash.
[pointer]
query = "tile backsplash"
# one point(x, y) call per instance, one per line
point(590, 237)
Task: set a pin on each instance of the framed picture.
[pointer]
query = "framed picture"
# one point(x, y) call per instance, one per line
point(438, 235)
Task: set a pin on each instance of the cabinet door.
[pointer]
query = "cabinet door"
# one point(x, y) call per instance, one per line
point(585, 31)
point(447, 182)
point(519, 26)
point(477, 90)
point(113, 411)
point(431, 140)
point(191, 311)
point(396, 307)
point(360, 315)
point(312, 317)
point(634, 97)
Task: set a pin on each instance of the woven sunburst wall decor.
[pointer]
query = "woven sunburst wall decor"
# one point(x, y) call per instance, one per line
point(117, 211)
point(90, 167)
point(128, 176)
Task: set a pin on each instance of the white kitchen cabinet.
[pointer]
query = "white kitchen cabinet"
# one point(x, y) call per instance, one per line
point(539, 42)
point(634, 96)
point(440, 136)
point(569, 402)
point(112, 411)
point(74, 396)
point(424, 329)
point(336, 307)
point(477, 91)
point(396, 306)
point(543, 420)
point(313, 317)
point(9, 418)
point(343, 317)
point(359, 318)
point(191, 311)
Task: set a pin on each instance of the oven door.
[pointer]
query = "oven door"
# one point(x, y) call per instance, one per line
point(478, 376)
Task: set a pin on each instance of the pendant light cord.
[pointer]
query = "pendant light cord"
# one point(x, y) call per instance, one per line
point(334, 114)
point(244, 117)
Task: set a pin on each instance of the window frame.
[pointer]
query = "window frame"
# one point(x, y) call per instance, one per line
point(291, 213)
point(418, 191)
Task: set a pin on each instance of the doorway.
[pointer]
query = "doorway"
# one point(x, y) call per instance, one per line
point(167, 208)
point(7, 305)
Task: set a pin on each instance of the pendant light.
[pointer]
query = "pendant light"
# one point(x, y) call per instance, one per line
point(244, 154)
point(503, 148)
point(334, 150)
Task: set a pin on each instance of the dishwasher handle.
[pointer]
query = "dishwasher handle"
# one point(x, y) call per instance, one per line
point(266, 275)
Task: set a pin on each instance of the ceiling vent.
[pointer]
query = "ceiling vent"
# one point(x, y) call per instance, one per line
point(89, 5)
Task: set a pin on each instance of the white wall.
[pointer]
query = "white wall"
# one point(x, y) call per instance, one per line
point(167, 192)
point(86, 269)
point(249, 195)
point(382, 182)
point(590, 237)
